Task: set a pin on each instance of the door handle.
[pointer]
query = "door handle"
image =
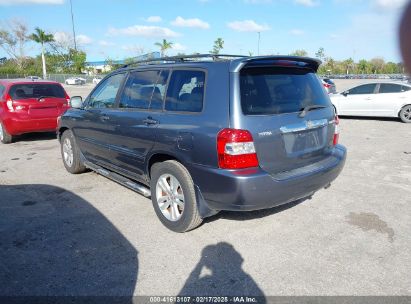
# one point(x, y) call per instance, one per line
point(150, 121)
point(104, 117)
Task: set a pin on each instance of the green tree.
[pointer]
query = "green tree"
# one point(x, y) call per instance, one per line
point(363, 67)
point(78, 59)
point(164, 46)
point(348, 65)
point(301, 53)
point(40, 36)
point(218, 46)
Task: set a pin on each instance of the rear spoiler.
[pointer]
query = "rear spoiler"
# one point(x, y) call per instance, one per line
point(288, 61)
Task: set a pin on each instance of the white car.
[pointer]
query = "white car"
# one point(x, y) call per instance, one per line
point(97, 79)
point(75, 80)
point(388, 99)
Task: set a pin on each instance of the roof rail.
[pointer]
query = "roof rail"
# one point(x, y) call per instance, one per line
point(184, 58)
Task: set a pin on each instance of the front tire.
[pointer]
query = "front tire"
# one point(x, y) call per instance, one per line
point(5, 137)
point(405, 114)
point(173, 196)
point(71, 154)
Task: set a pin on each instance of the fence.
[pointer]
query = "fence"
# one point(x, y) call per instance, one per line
point(54, 77)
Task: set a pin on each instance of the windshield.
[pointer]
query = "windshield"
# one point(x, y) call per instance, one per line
point(36, 90)
point(277, 90)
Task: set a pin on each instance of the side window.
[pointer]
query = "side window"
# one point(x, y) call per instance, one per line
point(390, 88)
point(363, 89)
point(159, 91)
point(1, 90)
point(405, 88)
point(185, 91)
point(139, 89)
point(105, 94)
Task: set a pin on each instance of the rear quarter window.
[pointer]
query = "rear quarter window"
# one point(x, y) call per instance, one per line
point(185, 91)
point(36, 90)
point(2, 89)
point(277, 90)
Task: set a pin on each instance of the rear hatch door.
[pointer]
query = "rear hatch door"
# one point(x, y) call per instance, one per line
point(39, 100)
point(272, 103)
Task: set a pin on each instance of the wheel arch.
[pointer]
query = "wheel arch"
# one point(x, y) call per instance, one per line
point(402, 107)
point(60, 132)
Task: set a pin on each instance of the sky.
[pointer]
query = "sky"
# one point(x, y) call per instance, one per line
point(117, 29)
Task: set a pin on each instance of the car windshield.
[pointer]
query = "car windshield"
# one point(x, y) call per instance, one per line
point(26, 91)
point(277, 90)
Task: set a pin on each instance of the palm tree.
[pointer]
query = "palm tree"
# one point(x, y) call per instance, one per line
point(41, 37)
point(164, 46)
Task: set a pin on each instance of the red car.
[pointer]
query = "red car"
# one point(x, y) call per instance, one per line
point(30, 106)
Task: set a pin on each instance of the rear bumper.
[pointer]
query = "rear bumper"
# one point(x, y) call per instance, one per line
point(254, 189)
point(19, 125)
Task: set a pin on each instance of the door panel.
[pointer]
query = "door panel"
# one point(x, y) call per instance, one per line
point(136, 120)
point(93, 129)
point(359, 100)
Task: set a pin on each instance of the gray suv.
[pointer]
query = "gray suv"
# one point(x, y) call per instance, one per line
point(207, 133)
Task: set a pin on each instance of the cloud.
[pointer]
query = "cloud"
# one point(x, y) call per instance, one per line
point(18, 2)
point(297, 32)
point(105, 43)
point(306, 2)
point(154, 19)
point(247, 26)
point(388, 4)
point(62, 37)
point(144, 31)
point(194, 22)
point(179, 47)
point(83, 39)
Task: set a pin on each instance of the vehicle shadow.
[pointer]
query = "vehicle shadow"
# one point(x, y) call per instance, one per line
point(251, 215)
point(393, 119)
point(219, 273)
point(35, 137)
point(54, 243)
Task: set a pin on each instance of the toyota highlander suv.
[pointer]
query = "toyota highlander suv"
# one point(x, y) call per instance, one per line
point(30, 106)
point(207, 133)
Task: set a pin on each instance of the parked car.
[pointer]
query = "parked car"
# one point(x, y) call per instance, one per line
point(385, 99)
point(75, 81)
point(329, 85)
point(97, 79)
point(33, 77)
point(200, 136)
point(27, 106)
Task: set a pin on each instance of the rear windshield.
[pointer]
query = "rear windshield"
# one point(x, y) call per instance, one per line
point(277, 90)
point(36, 90)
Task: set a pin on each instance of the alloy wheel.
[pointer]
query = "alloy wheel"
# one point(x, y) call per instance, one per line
point(170, 197)
point(407, 114)
point(68, 152)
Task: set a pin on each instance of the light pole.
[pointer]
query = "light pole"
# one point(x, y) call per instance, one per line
point(258, 45)
point(72, 23)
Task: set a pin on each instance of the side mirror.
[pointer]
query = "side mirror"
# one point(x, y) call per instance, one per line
point(345, 93)
point(76, 102)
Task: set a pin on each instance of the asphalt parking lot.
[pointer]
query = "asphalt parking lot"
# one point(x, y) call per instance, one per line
point(63, 234)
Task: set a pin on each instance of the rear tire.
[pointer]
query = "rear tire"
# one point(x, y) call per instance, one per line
point(71, 154)
point(405, 114)
point(173, 196)
point(5, 137)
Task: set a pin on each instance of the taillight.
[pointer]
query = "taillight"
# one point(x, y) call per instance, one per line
point(336, 130)
point(9, 103)
point(326, 85)
point(67, 101)
point(236, 149)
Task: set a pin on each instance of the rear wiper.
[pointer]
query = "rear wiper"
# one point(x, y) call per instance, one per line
point(306, 109)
